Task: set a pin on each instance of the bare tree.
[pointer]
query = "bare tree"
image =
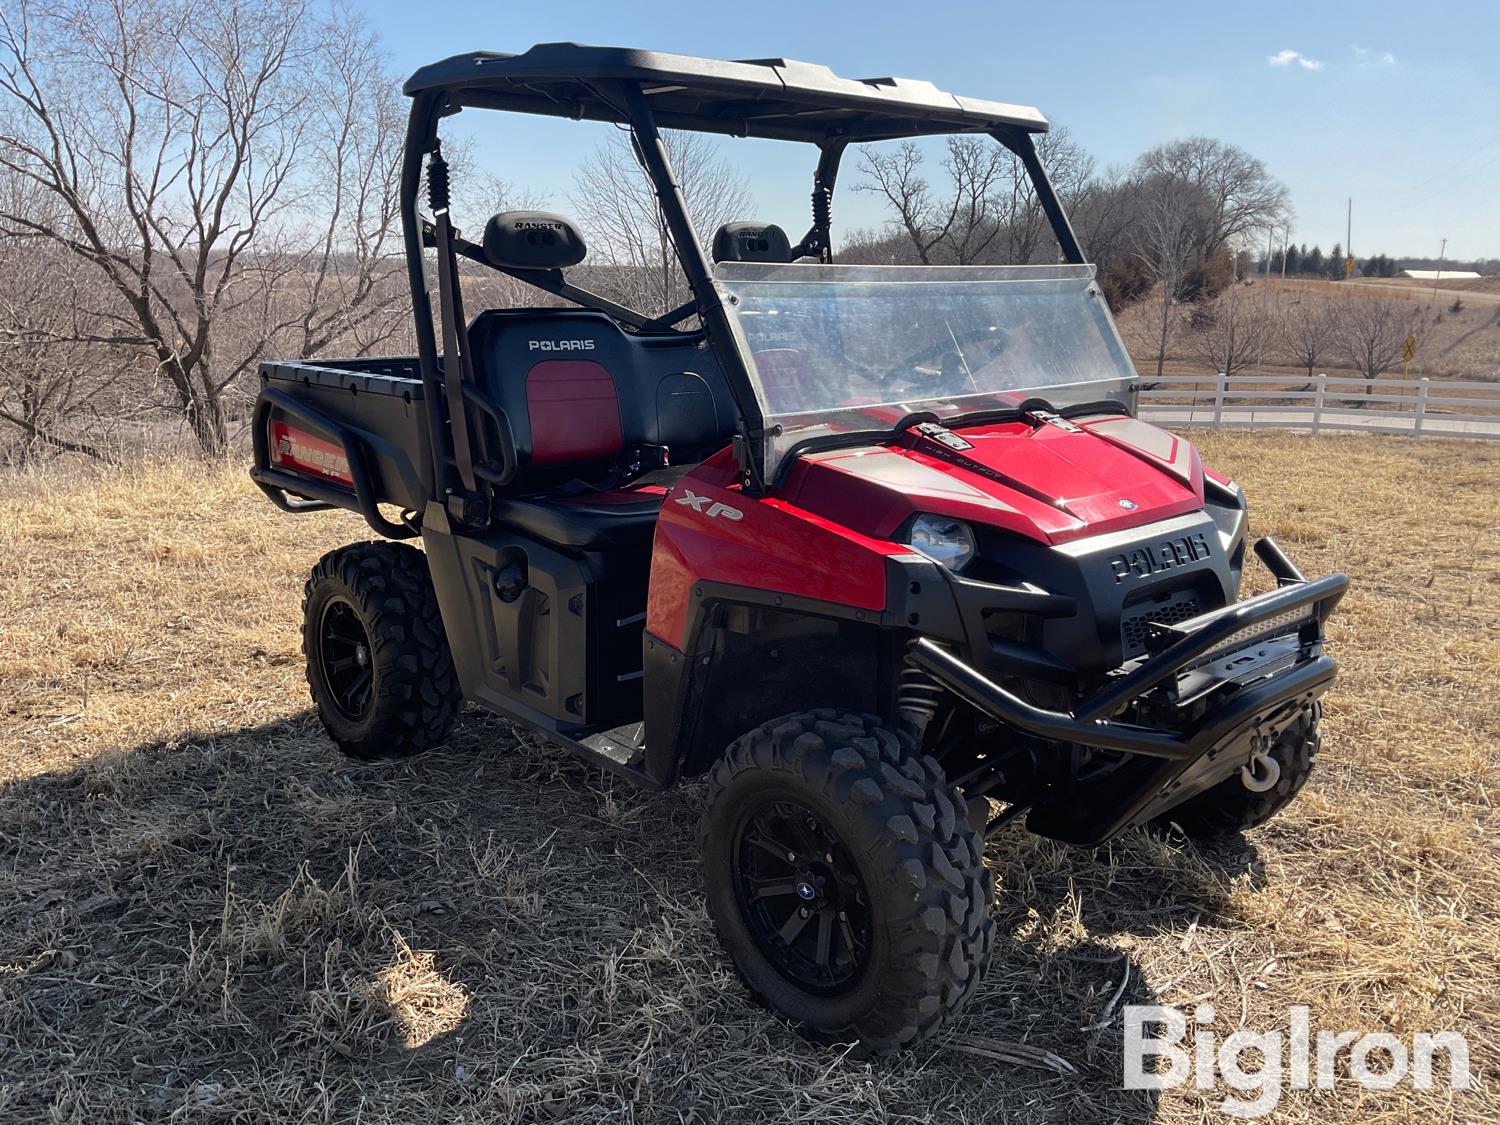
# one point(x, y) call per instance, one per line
point(349, 289)
point(963, 224)
point(1162, 237)
point(630, 247)
point(50, 376)
point(1240, 197)
point(169, 135)
point(1308, 331)
point(1371, 333)
point(1070, 169)
point(988, 210)
point(1236, 334)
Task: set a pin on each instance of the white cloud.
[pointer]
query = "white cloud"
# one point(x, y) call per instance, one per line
point(1288, 57)
point(1364, 57)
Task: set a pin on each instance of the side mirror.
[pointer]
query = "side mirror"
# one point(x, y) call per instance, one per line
point(532, 240)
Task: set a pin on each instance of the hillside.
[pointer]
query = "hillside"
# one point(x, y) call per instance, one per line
point(1462, 344)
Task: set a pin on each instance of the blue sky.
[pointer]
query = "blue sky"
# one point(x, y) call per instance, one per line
point(1395, 104)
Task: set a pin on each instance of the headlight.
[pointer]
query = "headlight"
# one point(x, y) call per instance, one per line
point(944, 540)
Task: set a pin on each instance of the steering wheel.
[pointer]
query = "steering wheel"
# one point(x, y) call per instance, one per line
point(952, 376)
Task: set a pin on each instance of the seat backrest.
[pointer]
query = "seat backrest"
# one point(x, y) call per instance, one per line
point(580, 392)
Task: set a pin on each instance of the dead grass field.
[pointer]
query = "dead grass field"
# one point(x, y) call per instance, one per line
point(1462, 345)
point(207, 915)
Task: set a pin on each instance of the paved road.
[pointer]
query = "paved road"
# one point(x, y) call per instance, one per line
point(1374, 421)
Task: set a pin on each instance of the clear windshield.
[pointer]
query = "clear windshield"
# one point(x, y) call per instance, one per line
point(855, 348)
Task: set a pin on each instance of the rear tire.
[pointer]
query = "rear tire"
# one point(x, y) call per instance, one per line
point(378, 663)
point(1229, 807)
point(877, 847)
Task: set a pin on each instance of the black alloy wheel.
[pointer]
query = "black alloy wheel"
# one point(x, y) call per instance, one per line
point(344, 658)
point(802, 896)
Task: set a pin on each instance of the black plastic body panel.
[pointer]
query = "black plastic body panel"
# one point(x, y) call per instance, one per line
point(379, 403)
point(550, 637)
point(1063, 616)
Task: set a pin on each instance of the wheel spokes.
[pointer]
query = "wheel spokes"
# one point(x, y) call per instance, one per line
point(773, 889)
point(825, 938)
point(345, 658)
point(771, 846)
point(802, 895)
point(794, 926)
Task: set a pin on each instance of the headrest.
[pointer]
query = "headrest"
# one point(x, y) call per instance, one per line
point(751, 242)
point(535, 240)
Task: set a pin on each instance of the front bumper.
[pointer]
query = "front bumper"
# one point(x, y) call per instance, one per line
point(1208, 691)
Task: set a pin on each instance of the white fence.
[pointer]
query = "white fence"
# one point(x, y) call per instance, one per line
point(1414, 407)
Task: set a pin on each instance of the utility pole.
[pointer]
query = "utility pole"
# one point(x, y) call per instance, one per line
point(1442, 251)
point(1286, 241)
point(1265, 298)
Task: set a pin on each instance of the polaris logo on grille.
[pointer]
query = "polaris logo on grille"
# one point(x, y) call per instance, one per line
point(1143, 562)
point(561, 345)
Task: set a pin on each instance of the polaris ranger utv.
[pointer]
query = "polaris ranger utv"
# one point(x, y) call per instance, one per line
point(884, 551)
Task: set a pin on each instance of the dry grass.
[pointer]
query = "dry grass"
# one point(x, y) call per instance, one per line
point(207, 915)
point(1462, 345)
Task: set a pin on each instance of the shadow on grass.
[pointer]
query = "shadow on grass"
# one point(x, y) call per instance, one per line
point(248, 921)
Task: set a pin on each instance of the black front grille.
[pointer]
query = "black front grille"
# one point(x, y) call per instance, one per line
point(1167, 609)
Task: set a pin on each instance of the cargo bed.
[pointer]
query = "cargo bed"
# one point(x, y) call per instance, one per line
point(347, 433)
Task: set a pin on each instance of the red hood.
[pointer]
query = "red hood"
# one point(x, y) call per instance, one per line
point(1046, 481)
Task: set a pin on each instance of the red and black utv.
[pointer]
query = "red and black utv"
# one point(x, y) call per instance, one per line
point(883, 550)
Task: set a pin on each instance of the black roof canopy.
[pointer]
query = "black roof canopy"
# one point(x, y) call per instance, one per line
point(780, 99)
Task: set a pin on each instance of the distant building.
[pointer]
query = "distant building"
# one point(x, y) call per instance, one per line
point(1434, 275)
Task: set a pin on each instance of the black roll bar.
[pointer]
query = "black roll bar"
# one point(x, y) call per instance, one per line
point(421, 134)
point(721, 331)
point(627, 100)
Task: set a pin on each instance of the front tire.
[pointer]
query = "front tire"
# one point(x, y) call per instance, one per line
point(845, 880)
point(378, 663)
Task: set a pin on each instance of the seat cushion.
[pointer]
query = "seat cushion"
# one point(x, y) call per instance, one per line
point(620, 518)
point(574, 412)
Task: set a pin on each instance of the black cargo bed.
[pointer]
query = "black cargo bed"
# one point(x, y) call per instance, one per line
point(349, 433)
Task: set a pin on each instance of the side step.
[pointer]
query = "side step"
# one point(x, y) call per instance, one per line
point(621, 749)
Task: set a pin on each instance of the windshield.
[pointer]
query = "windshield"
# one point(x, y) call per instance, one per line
point(840, 349)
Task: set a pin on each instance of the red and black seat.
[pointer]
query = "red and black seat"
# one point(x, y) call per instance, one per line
point(591, 408)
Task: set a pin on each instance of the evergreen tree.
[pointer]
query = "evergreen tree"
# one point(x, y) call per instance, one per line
point(1313, 262)
point(1294, 260)
point(1336, 262)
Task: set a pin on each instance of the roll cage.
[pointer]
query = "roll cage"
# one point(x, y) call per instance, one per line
point(646, 91)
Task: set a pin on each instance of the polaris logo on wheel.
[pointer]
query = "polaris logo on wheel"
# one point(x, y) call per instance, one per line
point(561, 345)
point(1143, 562)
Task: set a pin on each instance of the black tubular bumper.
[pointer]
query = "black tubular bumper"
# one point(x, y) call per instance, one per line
point(1269, 648)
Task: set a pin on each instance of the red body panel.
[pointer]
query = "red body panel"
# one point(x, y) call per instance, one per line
point(307, 453)
point(826, 532)
point(1045, 482)
point(772, 546)
point(573, 410)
